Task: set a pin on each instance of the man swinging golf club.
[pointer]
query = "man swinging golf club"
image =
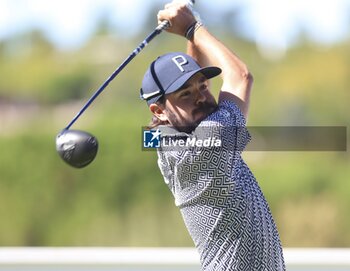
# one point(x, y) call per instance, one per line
point(221, 203)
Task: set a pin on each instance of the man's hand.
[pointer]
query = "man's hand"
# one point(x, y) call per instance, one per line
point(178, 15)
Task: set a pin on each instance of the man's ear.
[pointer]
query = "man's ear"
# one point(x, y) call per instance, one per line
point(158, 111)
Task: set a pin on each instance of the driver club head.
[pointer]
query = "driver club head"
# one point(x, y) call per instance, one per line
point(77, 148)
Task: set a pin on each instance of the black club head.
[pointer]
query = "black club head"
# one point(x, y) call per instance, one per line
point(77, 148)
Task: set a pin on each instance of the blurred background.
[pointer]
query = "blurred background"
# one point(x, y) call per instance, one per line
point(55, 54)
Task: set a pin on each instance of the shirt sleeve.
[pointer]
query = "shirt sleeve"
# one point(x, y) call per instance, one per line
point(231, 114)
point(228, 124)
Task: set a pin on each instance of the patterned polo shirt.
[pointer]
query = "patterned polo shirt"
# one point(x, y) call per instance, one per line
point(219, 198)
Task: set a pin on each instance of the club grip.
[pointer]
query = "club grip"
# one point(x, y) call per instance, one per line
point(163, 25)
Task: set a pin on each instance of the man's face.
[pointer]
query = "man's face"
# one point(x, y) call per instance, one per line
point(185, 108)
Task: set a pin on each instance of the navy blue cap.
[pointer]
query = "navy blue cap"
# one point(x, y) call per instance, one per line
point(168, 73)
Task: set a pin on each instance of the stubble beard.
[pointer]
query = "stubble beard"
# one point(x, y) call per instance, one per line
point(187, 126)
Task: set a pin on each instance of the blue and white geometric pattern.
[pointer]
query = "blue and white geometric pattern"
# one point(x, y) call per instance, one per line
point(220, 200)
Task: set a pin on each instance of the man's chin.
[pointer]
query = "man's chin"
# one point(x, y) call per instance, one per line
point(186, 129)
point(202, 115)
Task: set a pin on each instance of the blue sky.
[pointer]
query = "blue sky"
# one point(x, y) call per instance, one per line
point(271, 23)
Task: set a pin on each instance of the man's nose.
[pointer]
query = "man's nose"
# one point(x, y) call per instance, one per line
point(200, 97)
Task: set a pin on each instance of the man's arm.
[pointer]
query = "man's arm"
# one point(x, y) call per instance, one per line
point(207, 50)
point(237, 80)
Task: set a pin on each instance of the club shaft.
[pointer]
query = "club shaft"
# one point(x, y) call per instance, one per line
point(137, 50)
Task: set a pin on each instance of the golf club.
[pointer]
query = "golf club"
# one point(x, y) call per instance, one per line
point(78, 148)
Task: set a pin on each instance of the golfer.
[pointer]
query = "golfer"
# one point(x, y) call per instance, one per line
point(220, 200)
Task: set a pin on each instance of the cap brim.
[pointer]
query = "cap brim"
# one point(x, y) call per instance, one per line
point(208, 72)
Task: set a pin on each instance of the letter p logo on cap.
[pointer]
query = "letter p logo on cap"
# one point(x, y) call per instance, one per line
point(180, 61)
